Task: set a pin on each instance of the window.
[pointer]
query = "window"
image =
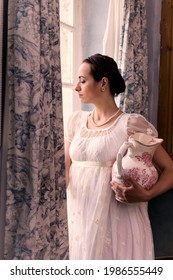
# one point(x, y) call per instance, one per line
point(70, 11)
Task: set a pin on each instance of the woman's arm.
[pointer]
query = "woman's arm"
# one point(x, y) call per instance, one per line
point(136, 193)
point(67, 161)
point(165, 165)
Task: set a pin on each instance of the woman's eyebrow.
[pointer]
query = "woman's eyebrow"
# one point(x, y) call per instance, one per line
point(82, 77)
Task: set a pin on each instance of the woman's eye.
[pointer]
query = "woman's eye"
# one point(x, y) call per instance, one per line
point(82, 81)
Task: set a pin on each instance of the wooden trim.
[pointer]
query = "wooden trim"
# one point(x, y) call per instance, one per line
point(165, 105)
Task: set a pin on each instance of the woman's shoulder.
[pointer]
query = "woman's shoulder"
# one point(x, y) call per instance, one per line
point(74, 122)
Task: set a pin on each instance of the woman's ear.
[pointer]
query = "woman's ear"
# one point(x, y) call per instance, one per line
point(104, 83)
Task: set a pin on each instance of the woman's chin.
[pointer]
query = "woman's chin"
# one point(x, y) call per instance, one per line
point(83, 101)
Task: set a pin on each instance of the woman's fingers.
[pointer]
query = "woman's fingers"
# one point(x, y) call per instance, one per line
point(120, 191)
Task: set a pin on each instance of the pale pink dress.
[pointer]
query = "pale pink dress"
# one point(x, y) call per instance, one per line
point(100, 228)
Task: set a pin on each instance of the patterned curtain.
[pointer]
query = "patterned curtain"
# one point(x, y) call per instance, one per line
point(133, 58)
point(36, 222)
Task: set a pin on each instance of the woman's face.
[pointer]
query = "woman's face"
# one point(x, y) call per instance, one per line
point(87, 88)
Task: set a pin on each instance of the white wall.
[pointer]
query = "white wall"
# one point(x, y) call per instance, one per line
point(94, 22)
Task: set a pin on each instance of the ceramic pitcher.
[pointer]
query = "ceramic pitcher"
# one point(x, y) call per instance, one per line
point(134, 159)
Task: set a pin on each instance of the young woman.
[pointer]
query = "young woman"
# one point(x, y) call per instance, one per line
point(100, 227)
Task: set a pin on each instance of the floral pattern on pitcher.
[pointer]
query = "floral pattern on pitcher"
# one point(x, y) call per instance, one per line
point(142, 177)
point(146, 158)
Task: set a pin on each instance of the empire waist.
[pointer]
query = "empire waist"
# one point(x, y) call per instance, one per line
point(92, 163)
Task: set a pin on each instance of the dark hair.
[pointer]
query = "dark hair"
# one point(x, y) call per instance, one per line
point(105, 66)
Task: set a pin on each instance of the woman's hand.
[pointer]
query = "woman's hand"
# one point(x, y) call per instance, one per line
point(130, 191)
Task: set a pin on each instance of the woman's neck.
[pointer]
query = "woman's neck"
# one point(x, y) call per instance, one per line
point(105, 110)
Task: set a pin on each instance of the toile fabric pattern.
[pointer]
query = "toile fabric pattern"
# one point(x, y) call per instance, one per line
point(36, 219)
point(100, 227)
point(133, 58)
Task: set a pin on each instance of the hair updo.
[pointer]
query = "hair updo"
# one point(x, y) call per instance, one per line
point(105, 66)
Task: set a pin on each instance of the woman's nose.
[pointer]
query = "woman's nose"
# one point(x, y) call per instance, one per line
point(77, 87)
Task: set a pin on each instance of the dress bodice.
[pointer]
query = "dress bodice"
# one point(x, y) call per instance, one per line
point(101, 144)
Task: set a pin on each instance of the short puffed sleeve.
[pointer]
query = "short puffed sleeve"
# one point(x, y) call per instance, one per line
point(71, 126)
point(138, 123)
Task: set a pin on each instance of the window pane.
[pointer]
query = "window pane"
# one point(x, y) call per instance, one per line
point(66, 11)
point(67, 94)
point(66, 55)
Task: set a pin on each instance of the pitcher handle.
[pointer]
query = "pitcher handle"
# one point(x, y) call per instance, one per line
point(123, 149)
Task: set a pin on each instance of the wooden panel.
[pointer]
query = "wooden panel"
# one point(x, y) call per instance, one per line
point(165, 106)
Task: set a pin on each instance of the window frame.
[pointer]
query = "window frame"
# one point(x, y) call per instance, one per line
point(76, 59)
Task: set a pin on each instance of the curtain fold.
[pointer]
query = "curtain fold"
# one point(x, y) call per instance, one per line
point(36, 220)
point(133, 58)
point(111, 39)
